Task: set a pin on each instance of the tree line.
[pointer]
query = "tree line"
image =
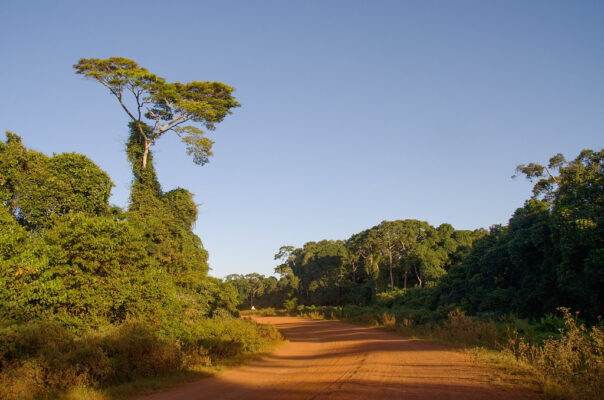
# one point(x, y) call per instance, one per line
point(391, 255)
point(550, 254)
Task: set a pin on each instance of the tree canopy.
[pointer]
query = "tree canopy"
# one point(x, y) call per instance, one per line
point(390, 255)
point(36, 188)
point(551, 254)
point(157, 106)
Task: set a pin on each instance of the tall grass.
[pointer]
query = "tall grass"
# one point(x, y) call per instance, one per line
point(48, 361)
point(571, 365)
point(460, 328)
point(388, 320)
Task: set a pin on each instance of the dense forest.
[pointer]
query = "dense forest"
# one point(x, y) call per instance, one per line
point(550, 255)
point(93, 295)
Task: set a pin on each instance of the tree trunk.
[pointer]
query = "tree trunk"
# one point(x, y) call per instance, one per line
point(405, 280)
point(147, 145)
point(391, 273)
point(419, 279)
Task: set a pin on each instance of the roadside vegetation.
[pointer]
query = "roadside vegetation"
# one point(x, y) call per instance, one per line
point(529, 292)
point(93, 295)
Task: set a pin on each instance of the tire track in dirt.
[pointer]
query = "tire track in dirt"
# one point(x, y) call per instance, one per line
point(332, 360)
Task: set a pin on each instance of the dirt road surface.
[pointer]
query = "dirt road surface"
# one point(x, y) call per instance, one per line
point(330, 360)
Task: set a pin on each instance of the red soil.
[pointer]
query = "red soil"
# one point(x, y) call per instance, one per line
point(338, 361)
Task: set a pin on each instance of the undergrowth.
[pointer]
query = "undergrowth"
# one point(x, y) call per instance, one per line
point(49, 361)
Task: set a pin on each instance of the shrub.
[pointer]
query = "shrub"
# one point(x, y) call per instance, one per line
point(574, 361)
point(267, 312)
point(216, 298)
point(388, 298)
point(231, 337)
point(388, 320)
point(85, 271)
point(291, 305)
point(315, 315)
point(463, 329)
point(37, 187)
point(40, 359)
point(22, 381)
point(136, 350)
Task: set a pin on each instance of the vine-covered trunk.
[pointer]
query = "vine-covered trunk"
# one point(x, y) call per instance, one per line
point(165, 218)
point(146, 191)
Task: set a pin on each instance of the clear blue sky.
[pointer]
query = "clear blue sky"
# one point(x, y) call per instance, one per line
point(353, 112)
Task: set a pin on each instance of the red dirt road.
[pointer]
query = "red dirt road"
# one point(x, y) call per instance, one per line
point(338, 361)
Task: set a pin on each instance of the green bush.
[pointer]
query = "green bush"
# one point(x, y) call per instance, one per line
point(37, 188)
point(290, 305)
point(230, 337)
point(217, 298)
point(85, 270)
point(136, 350)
